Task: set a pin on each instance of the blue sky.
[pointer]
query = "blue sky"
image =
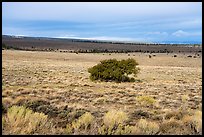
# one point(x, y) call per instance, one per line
point(132, 21)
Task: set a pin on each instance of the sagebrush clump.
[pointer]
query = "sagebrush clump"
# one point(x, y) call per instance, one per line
point(20, 120)
point(148, 127)
point(113, 70)
point(146, 100)
point(81, 125)
point(112, 120)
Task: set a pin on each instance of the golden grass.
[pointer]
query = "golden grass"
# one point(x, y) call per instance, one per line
point(197, 120)
point(85, 120)
point(147, 127)
point(123, 130)
point(114, 118)
point(113, 123)
point(62, 79)
point(20, 120)
point(81, 124)
point(146, 100)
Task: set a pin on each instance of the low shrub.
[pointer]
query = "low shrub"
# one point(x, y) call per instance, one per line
point(146, 100)
point(194, 121)
point(75, 114)
point(113, 120)
point(169, 126)
point(113, 70)
point(147, 127)
point(176, 114)
point(20, 120)
point(100, 100)
point(86, 120)
point(197, 121)
point(81, 125)
point(184, 99)
point(123, 130)
point(187, 124)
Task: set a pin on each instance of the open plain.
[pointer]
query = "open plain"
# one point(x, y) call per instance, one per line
point(58, 85)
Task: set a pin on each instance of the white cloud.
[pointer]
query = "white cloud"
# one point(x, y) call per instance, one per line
point(157, 33)
point(181, 33)
point(67, 36)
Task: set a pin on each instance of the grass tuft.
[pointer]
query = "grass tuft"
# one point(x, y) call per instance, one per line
point(147, 127)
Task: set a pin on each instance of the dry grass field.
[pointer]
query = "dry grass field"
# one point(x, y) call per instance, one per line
point(166, 96)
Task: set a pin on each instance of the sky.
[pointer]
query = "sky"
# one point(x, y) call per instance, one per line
point(157, 22)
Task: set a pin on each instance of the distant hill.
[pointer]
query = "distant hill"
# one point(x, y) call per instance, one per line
point(80, 45)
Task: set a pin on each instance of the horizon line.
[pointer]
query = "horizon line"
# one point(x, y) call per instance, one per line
point(105, 40)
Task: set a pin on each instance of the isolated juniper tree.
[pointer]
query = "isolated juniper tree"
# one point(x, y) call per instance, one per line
point(113, 70)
